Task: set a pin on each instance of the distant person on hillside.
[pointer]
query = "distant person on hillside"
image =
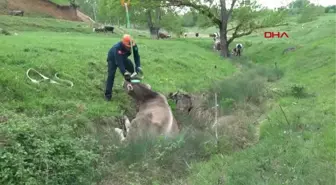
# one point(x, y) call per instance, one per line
point(118, 57)
point(234, 51)
point(238, 49)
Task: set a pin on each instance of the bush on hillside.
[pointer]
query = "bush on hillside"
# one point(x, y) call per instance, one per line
point(241, 88)
point(310, 13)
point(44, 151)
point(4, 32)
point(298, 90)
point(246, 87)
point(330, 9)
point(272, 73)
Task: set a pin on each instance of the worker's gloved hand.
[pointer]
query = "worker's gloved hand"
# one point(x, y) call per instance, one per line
point(127, 76)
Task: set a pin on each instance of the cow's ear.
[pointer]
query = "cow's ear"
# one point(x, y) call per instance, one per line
point(129, 87)
point(148, 86)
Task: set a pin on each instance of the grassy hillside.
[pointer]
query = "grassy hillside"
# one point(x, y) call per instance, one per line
point(19, 24)
point(12, 23)
point(59, 126)
point(61, 2)
point(83, 59)
point(297, 145)
point(53, 134)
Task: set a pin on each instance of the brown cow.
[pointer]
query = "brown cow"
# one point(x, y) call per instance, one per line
point(154, 117)
point(215, 36)
point(164, 36)
point(104, 29)
point(16, 12)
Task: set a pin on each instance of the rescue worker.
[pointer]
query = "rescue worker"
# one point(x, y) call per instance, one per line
point(238, 48)
point(117, 57)
point(234, 51)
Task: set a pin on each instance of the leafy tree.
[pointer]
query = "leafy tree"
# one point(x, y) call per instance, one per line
point(298, 4)
point(3, 5)
point(148, 12)
point(190, 19)
point(89, 7)
point(330, 9)
point(310, 13)
point(112, 11)
point(246, 16)
point(173, 23)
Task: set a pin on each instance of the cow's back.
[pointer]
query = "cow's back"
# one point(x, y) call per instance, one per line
point(159, 114)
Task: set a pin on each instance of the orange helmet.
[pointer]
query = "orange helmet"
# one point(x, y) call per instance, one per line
point(126, 40)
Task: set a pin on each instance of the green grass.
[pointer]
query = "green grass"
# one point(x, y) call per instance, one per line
point(65, 124)
point(302, 150)
point(61, 2)
point(13, 23)
point(37, 23)
point(60, 135)
point(203, 30)
point(82, 59)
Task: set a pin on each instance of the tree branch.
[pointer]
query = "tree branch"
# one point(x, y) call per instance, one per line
point(234, 36)
point(223, 4)
point(205, 10)
point(230, 29)
point(231, 8)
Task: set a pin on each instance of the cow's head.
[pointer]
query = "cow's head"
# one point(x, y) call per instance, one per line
point(139, 91)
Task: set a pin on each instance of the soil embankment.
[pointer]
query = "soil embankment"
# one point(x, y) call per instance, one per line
point(48, 8)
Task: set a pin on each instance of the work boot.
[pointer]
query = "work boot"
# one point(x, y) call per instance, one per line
point(108, 98)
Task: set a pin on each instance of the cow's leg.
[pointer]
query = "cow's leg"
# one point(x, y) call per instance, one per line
point(127, 124)
point(120, 132)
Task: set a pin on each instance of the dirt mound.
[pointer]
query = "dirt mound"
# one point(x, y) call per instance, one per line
point(48, 8)
point(84, 17)
point(235, 126)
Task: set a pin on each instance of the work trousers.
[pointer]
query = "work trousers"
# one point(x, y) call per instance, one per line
point(111, 70)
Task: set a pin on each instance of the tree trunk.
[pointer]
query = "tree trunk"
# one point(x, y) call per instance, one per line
point(94, 12)
point(223, 43)
point(152, 30)
point(158, 15)
point(149, 19)
point(223, 30)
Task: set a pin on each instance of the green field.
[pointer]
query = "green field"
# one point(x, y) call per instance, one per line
point(302, 150)
point(42, 24)
point(61, 2)
point(52, 134)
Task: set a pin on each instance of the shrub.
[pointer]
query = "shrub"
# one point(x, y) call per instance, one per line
point(244, 87)
point(298, 90)
point(45, 152)
point(310, 13)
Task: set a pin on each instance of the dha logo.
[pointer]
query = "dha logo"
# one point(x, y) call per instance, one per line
point(271, 35)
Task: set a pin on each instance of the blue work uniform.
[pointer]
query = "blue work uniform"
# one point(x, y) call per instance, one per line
point(118, 57)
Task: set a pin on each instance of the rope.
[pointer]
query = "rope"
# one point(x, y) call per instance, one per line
point(46, 78)
point(216, 116)
point(129, 27)
point(134, 75)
